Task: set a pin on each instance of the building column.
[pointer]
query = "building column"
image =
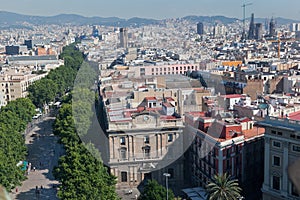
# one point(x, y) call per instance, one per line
point(132, 145)
point(220, 162)
point(112, 148)
point(129, 147)
point(284, 167)
point(232, 165)
point(266, 183)
point(160, 144)
point(157, 144)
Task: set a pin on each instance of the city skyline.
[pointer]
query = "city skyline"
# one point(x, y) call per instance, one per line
point(156, 9)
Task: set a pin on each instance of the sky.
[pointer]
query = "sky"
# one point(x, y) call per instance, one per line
point(155, 9)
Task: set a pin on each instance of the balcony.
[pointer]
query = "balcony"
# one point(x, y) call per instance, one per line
point(135, 160)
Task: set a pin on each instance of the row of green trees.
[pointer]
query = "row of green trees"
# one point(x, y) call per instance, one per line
point(17, 114)
point(14, 118)
point(59, 80)
point(81, 173)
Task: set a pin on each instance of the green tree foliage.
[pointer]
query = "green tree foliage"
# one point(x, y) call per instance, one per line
point(64, 77)
point(72, 57)
point(155, 191)
point(43, 91)
point(59, 80)
point(15, 116)
point(23, 107)
point(84, 98)
point(223, 188)
point(82, 175)
point(13, 120)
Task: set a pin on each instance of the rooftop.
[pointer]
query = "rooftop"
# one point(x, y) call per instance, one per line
point(295, 116)
point(283, 123)
point(230, 96)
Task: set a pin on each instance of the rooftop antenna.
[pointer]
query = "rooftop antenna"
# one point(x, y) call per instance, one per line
point(244, 18)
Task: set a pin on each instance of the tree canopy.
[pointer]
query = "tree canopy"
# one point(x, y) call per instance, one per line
point(223, 188)
point(82, 174)
point(155, 191)
point(59, 80)
point(13, 120)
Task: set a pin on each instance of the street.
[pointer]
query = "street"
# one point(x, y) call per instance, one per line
point(43, 154)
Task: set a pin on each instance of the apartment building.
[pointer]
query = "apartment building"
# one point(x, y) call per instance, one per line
point(282, 148)
point(14, 85)
point(222, 144)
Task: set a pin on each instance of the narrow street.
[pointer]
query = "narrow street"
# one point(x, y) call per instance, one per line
point(43, 154)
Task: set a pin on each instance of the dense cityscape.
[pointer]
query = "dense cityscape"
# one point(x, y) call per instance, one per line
point(166, 109)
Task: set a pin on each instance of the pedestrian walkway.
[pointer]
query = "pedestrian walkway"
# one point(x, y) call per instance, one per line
point(43, 154)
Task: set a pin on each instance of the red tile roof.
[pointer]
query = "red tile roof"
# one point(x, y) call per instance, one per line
point(230, 96)
point(255, 131)
point(150, 98)
point(294, 116)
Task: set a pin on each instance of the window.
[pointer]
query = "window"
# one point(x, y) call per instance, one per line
point(276, 144)
point(171, 172)
point(293, 136)
point(123, 153)
point(276, 183)
point(142, 71)
point(146, 139)
point(273, 132)
point(146, 150)
point(294, 191)
point(228, 152)
point(122, 141)
point(123, 176)
point(170, 137)
point(228, 164)
point(296, 148)
point(279, 133)
point(276, 160)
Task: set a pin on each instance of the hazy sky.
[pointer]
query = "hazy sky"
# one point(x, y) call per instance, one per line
point(156, 9)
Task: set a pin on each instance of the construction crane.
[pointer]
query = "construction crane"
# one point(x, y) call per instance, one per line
point(279, 40)
point(244, 18)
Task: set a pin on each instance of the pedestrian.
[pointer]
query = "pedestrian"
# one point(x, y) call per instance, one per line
point(16, 189)
point(36, 189)
point(34, 169)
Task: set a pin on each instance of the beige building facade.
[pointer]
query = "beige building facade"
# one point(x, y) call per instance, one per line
point(15, 85)
point(282, 148)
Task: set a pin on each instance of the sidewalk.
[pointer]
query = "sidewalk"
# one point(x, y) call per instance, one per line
point(43, 154)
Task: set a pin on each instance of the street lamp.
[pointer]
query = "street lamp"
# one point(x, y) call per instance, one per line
point(167, 175)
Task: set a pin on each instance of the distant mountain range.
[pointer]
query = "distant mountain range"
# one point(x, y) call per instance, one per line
point(9, 19)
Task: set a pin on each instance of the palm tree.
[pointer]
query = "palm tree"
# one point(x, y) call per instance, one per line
point(223, 188)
